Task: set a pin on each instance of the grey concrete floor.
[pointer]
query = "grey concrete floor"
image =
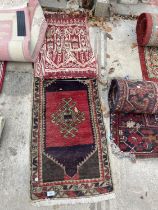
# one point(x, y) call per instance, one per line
point(55, 3)
point(136, 184)
point(132, 9)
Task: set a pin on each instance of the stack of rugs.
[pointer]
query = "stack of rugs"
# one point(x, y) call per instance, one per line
point(22, 31)
point(134, 104)
point(69, 154)
point(134, 116)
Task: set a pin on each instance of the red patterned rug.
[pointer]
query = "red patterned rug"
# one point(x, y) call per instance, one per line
point(69, 148)
point(66, 52)
point(2, 73)
point(134, 117)
point(147, 37)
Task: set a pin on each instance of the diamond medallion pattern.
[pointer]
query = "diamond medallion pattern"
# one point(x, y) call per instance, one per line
point(68, 117)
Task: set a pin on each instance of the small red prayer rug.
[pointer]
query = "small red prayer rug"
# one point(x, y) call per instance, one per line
point(147, 38)
point(69, 147)
point(134, 117)
point(2, 73)
point(66, 52)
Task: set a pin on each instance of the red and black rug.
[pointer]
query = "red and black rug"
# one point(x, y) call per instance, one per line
point(2, 73)
point(147, 38)
point(134, 117)
point(69, 147)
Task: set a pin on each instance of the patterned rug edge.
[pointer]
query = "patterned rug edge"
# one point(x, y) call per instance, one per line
point(88, 199)
point(144, 69)
point(123, 121)
point(121, 154)
point(73, 201)
point(3, 66)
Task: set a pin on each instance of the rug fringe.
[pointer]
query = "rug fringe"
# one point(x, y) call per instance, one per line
point(69, 201)
point(120, 154)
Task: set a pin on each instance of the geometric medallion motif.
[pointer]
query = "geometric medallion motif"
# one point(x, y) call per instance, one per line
point(67, 117)
point(69, 148)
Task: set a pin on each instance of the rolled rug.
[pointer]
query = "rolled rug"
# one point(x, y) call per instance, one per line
point(134, 97)
point(147, 39)
point(22, 31)
point(134, 116)
point(147, 30)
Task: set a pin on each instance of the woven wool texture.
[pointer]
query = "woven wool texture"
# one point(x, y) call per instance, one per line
point(66, 52)
point(69, 147)
point(134, 121)
point(147, 38)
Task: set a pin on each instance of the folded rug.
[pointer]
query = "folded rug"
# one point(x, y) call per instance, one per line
point(22, 32)
point(134, 116)
point(69, 147)
point(147, 38)
point(66, 52)
point(2, 73)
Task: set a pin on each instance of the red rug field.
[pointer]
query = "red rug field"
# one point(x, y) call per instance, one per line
point(69, 147)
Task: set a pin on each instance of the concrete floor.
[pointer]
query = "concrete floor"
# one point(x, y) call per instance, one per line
point(55, 3)
point(136, 184)
point(133, 9)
